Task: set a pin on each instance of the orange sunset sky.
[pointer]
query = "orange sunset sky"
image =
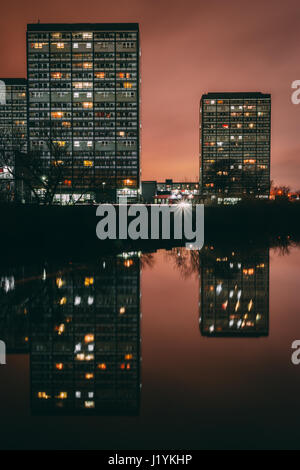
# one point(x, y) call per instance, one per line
point(188, 48)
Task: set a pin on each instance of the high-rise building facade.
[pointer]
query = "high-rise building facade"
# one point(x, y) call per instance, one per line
point(235, 130)
point(13, 130)
point(83, 98)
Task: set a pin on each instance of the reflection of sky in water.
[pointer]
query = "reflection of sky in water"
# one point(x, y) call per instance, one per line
point(197, 391)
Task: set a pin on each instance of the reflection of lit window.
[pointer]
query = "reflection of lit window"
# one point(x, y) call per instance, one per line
point(87, 104)
point(38, 45)
point(89, 404)
point(56, 75)
point(43, 395)
point(57, 114)
point(89, 338)
point(88, 281)
point(60, 328)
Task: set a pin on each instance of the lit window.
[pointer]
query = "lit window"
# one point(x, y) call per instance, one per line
point(87, 104)
point(88, 163)
point(102, 366)
point(75, 45)
point(122, 310)
point(57, 114)
point(88, 281)
point(59, 366)
point(43, 395)
point(62, 395)
point(38, 45)
point(127, 85)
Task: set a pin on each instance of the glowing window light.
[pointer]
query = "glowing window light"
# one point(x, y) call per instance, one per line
point(57, 114)
point(88, 163)
point(102, 366)
point(63, 301)
point(88, 281)
point(89, 375)
point(122, 310)
point(128, 263)
point(62, 395)
point(59, 366)
point(87, 104)
point(89, 404)
point(59, 282)
point(60, 328)
point(128, 357)
point(77, 300)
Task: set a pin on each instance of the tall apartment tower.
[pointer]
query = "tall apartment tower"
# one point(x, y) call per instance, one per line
point(13, 130)
point(83, 97)
point(235, 130)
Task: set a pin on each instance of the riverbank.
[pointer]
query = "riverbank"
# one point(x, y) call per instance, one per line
point(70, 231)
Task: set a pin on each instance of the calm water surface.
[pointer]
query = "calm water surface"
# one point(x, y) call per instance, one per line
point(167, 350)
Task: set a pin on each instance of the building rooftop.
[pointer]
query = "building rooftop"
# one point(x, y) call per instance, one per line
point(256, 94)
point(14, 81)
point(83, 27)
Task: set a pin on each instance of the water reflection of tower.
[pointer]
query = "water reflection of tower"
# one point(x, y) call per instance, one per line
point(234, 293)
point(14, 320)
point(85, 341)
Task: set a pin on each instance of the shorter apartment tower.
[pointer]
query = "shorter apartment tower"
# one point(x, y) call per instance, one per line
point(235, 131)
point(13, 131)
